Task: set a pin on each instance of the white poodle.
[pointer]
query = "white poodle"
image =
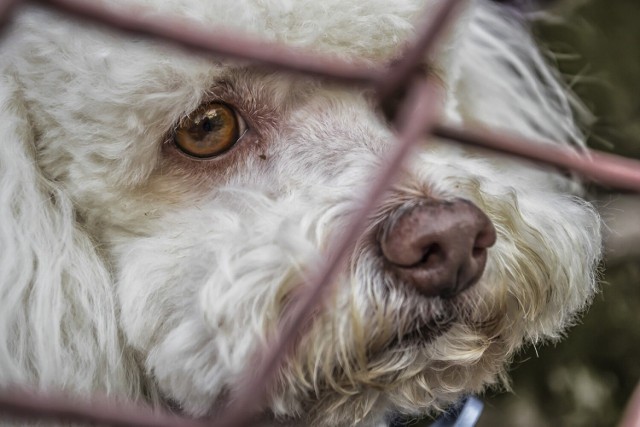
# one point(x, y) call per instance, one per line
point(160, 211)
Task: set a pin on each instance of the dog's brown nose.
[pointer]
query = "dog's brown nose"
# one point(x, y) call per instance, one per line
point(438, 246)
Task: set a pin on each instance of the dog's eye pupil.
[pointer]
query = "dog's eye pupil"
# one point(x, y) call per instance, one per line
point(209, 131)
point(206, 125)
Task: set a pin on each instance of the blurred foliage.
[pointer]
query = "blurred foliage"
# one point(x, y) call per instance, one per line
point(586, 380)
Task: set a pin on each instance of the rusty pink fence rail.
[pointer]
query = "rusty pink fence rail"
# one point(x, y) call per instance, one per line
point(418, 117)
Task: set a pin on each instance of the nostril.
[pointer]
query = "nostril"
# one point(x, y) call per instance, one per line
point(478, 252)
point(433, 254)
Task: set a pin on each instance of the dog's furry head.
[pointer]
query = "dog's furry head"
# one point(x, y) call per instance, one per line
point(130, 268)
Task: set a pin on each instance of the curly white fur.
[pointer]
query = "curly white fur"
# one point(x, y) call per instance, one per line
point(129, 269)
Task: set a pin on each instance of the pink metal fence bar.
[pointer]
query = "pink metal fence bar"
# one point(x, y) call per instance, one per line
point(418, 119)
point(602, 168)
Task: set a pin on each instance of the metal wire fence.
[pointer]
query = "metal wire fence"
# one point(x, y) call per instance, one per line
point(418, 116)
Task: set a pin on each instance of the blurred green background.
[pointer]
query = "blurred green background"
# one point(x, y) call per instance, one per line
point(586, 380)
point(596, 45)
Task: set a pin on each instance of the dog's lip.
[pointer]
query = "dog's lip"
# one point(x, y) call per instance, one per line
point(425, 331)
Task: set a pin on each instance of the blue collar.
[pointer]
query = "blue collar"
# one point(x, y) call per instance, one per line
point(464, 414)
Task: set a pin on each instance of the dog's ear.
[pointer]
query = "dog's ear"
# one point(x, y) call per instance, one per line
point(57, 315)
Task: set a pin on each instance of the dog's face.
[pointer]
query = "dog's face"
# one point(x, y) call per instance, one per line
point(211, 189)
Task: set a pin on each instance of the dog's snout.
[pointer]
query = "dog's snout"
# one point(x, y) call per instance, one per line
point(438, 246)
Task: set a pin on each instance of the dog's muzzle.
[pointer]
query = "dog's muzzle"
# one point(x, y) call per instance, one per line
point(437, 246)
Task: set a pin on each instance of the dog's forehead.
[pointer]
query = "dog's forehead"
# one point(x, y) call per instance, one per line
point(366, 29)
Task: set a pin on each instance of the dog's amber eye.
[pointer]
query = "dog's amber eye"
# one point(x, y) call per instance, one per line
point(209, 131)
